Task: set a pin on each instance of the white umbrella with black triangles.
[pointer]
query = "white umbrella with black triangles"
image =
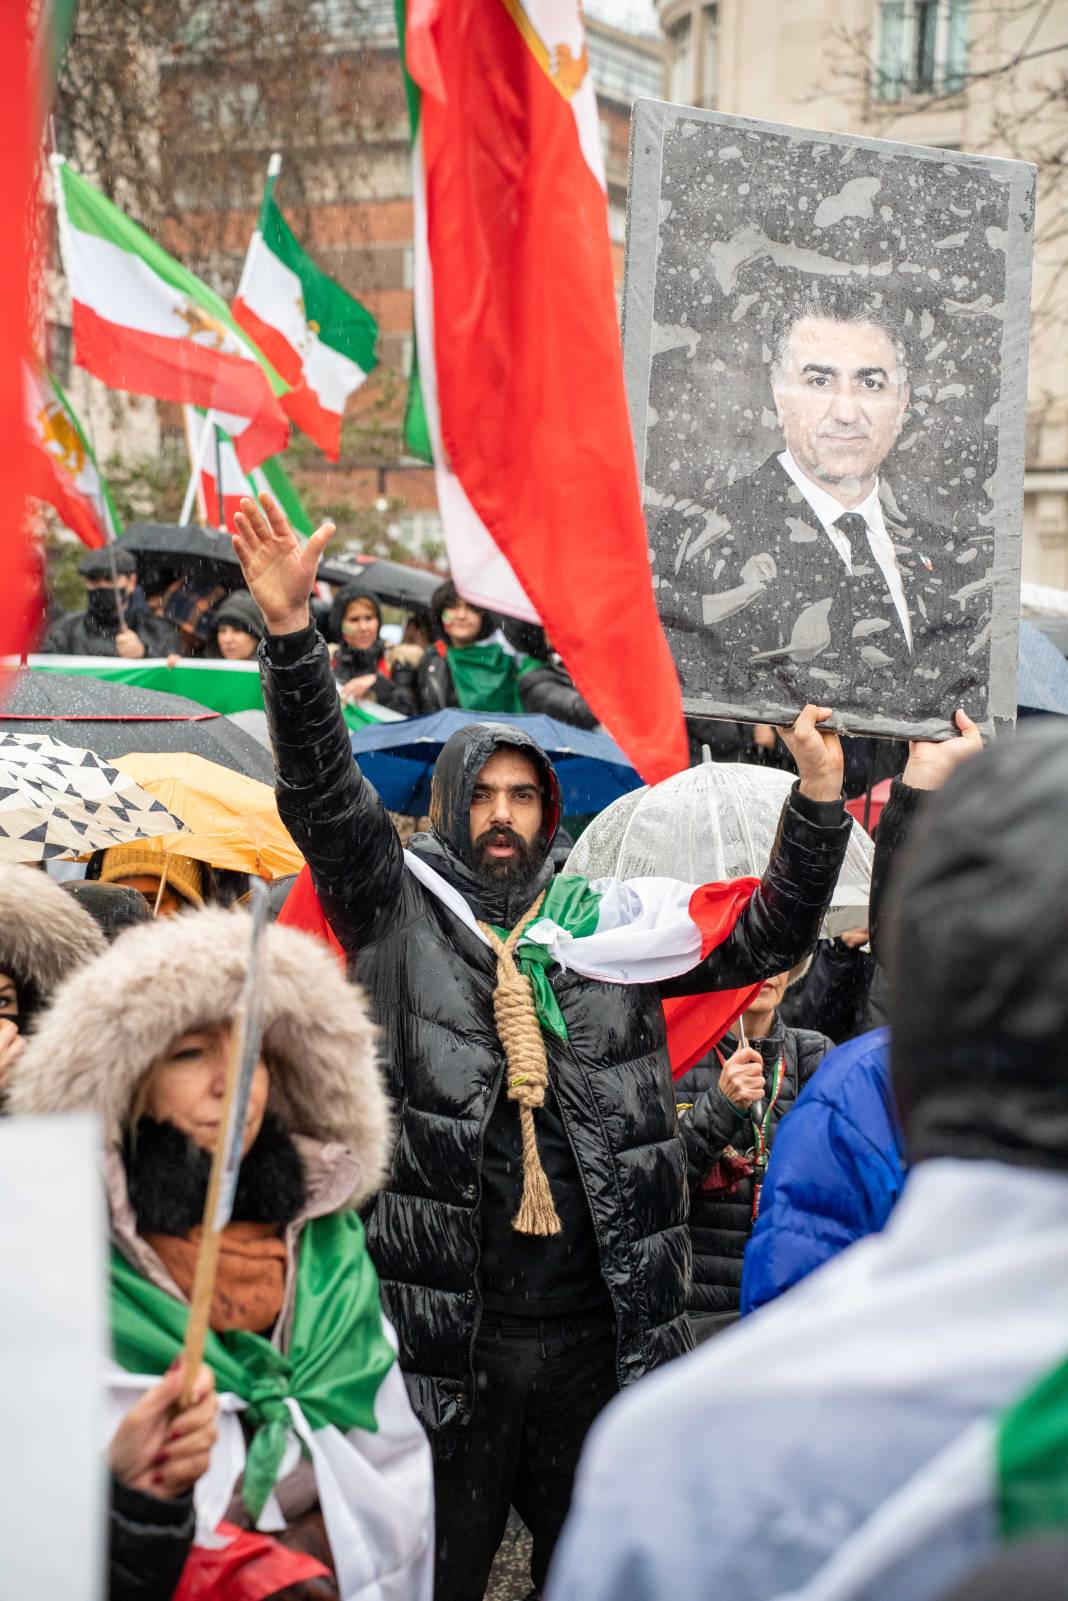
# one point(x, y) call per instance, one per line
point(57, 800)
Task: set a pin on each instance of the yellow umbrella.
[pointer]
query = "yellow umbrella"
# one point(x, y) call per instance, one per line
point(230, 821)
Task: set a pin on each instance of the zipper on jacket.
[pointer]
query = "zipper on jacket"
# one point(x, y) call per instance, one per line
point(490, 1105)
point(586, 1191)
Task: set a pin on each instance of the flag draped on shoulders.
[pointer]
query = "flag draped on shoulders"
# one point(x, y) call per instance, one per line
point(615, 931)
point(319, 337)
point(142, 322)
point(63, 469)
point(520, 366)
point(334, 1395)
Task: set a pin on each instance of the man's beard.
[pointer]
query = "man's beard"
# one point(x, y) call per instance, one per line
point(519, 868)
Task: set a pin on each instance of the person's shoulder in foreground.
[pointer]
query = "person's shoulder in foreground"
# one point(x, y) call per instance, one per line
point(837, 1168)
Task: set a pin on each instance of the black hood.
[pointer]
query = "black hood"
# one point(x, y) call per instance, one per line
point(341, 602)
point(447, 847)
point(240, 611)
point(978, 959)
point(350, 662)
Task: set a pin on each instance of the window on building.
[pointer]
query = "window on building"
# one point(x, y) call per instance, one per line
point(680, 61)
point(710, 56)
point(59, 351)
point(923, 47)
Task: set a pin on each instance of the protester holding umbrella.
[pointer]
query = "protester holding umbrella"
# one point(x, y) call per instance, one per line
point(731, 1104)
point(43, 937)
point(532, 1242)
point(317, 1442)
point(114, 623)
point(363, 667)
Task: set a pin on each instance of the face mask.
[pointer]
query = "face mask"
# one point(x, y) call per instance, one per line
point(102, 607)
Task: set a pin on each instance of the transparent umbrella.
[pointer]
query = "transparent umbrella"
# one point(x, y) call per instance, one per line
point(708, 824)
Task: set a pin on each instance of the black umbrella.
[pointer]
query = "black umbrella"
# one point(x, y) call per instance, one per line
point(117, 720)
point(178, 545)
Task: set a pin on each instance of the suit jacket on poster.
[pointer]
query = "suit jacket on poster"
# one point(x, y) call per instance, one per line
point(761, 611)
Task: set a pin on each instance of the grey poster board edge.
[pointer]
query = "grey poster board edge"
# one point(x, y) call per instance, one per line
point(649, 119)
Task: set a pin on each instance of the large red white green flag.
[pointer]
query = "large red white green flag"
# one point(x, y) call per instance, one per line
point(142, 322)
point(519, 351)
point(316, 334)
point(63, 469)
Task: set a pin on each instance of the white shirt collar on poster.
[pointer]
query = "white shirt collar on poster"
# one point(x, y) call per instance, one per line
point(827, 509)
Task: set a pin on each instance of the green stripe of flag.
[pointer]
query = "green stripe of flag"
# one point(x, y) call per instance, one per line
point(282, 488)
point(1032, 1459)
point(416, 432)
point(342, 323)
point(115, 526)
point(93, 213)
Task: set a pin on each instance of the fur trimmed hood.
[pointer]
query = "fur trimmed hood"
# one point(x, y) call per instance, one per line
point(110, 1020)
point(44, 934)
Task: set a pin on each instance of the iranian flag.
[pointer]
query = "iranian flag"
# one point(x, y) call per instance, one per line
point(63, 469)
point(319, 338)
point(142, 322)
point(519, 353)
point(1003, 1478)
point(220, 457)
point(617, 931)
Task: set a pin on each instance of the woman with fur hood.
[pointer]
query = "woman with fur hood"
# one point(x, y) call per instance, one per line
point(320, 1477)
point(44, 935)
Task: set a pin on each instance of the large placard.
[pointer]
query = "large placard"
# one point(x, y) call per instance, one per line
point(825, 341)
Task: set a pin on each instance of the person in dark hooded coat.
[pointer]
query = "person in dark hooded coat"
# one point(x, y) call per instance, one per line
point(511, 1341)
point(362, 666)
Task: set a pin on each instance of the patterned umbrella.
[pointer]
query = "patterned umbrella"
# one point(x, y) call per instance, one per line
point(59, 801)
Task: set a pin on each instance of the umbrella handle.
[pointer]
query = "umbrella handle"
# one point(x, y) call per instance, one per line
point(162, 884)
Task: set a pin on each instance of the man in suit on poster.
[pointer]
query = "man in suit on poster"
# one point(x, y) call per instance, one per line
point(806, 580)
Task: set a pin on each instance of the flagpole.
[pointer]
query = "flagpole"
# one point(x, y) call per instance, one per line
point(109, 542)
point(274, 167)
point(196, 463)
point(220, 510)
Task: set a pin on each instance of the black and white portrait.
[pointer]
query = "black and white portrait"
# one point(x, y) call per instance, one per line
point(825, 342)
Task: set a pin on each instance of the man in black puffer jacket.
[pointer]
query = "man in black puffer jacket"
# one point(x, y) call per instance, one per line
point(730, 1106)
point(510, 1343)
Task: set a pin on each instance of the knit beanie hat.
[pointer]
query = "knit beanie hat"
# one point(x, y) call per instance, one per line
point(142, 859)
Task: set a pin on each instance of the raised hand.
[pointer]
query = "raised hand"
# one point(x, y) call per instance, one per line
point(931, 761)
point(817, 753)
point(278, 565)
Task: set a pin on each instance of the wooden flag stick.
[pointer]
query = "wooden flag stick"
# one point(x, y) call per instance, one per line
point(210, 1237)
point(246, 1034)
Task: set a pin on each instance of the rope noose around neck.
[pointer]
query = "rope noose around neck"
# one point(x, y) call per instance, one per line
point(528, 1071)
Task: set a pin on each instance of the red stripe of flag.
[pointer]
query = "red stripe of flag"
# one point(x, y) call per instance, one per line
point(529, 368)
point(16, 260)
point(181, 370)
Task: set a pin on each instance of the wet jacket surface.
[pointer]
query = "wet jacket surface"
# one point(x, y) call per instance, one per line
point(835, 1174)
point(431, 983)
point(721, 1223)
point(77, 635)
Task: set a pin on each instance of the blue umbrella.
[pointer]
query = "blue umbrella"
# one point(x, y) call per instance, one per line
point(1042, 680)
point(398, 758)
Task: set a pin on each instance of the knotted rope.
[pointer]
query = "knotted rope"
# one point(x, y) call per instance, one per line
point(528, 1071)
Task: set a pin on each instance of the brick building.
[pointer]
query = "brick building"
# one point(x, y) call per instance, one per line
point(346, 189)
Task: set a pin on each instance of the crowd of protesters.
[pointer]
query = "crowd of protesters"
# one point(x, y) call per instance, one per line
point(460, 1234)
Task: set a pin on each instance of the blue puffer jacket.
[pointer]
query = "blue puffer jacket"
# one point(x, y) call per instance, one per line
point(836, 1170)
